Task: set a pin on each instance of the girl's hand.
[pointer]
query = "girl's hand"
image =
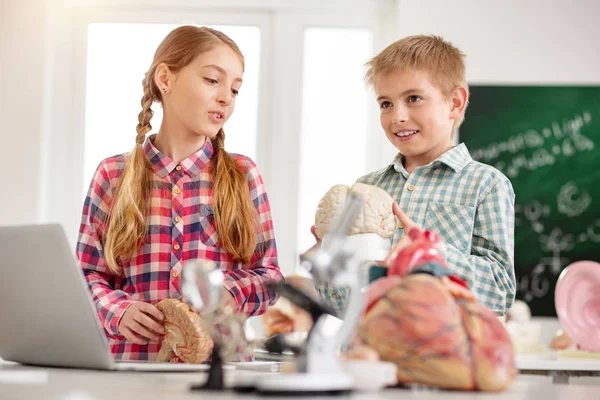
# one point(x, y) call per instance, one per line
point(139, 323)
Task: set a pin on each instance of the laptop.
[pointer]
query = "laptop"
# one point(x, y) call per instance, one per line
point(47, 317)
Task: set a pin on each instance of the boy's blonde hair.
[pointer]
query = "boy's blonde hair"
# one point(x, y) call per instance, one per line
point(441, 59)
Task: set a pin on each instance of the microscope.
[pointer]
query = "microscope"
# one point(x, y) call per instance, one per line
point(319, 371)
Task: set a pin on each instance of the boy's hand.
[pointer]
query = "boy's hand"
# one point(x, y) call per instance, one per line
point(313, 230)
point(317, 240)
point(408, 224)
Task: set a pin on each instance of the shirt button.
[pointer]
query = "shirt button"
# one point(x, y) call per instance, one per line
point(411, 188)
point(178, 219)
point(175, 274)
point(177, 246)
point(176, 190)
point(178, 168)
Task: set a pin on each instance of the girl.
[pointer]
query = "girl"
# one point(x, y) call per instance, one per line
point(177, 196)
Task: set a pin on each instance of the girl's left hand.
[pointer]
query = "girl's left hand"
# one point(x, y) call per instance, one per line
point(227, 299)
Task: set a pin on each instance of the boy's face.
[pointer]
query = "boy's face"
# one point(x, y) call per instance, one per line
point(416, 116)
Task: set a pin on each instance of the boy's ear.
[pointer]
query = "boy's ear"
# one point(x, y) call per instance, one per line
point(460, 99)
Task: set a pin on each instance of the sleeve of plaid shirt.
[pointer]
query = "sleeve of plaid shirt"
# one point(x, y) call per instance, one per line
point(335, 296)
point(248, 286)
point(110, 304)
point(489, 269)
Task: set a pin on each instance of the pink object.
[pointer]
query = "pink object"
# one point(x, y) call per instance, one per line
point(422, 249)
point(577, 301)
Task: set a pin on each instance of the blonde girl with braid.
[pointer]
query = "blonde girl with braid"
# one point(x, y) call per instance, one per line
point(177, 196)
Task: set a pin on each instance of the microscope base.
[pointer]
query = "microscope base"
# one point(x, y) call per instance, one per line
point(305, 383)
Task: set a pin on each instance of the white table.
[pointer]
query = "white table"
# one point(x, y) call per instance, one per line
point(21, 382)
point(560, 369)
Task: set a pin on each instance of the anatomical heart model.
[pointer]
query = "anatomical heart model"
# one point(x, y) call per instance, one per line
point(428, 323)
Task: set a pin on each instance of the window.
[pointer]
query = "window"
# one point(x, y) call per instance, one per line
point(334, 117)
point(301, 115)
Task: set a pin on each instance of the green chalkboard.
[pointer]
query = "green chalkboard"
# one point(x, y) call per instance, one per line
point(546, 140)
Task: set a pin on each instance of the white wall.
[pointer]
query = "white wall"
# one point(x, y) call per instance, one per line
point(510, 41)
point(22, 33)
point(514, 41)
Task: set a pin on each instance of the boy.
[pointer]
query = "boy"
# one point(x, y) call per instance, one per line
point(422, 94)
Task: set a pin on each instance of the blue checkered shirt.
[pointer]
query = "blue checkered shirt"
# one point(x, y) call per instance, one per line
point(470, 206)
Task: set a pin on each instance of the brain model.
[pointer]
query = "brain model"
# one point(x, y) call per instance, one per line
point(185, 339)
point(427, 322)
point(376, 215)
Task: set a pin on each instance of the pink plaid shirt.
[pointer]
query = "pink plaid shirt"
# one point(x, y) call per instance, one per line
point(180, 228)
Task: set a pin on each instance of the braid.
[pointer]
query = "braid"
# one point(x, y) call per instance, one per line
point(146, 114)
point(235, 215)
point(218, 141)
point(127, 223)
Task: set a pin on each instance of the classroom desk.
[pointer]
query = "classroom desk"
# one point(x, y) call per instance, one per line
point(560, 369)
point(23, 382)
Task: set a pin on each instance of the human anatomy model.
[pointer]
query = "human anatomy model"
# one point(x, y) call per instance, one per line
point(427, 322)
point(185, 338)
point(376, 214)
point(420, 316)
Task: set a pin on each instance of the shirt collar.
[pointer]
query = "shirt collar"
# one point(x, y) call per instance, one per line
point(163, 165)
point(456, 158)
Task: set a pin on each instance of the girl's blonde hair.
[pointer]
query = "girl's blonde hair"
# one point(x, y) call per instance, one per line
point(234, 212)
point(441, 59)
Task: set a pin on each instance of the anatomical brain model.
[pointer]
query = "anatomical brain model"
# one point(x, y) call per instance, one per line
point(185, 339)
point(189, 336)
point(428, 323)
point(376, 216)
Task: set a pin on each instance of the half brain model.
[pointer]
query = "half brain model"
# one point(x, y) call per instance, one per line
point(185, 337)
point(376, 215)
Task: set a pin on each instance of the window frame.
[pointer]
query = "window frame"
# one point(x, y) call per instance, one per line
point(282, 26)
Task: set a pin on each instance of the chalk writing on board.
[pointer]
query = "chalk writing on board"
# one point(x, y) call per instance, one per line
point(560, 140)
point(533, 286)
point(572, 202)
point(592, 233)
point(533, 212)
point(536, 284)
point(557, 242)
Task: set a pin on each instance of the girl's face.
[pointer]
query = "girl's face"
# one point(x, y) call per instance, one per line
point(201, 96)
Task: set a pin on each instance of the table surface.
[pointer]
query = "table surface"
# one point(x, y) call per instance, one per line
point(25, 382)
point(551, 361)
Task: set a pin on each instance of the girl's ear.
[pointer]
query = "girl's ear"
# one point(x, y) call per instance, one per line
point(163, 78)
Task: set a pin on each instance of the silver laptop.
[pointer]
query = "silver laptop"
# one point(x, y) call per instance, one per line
point(46, 313)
